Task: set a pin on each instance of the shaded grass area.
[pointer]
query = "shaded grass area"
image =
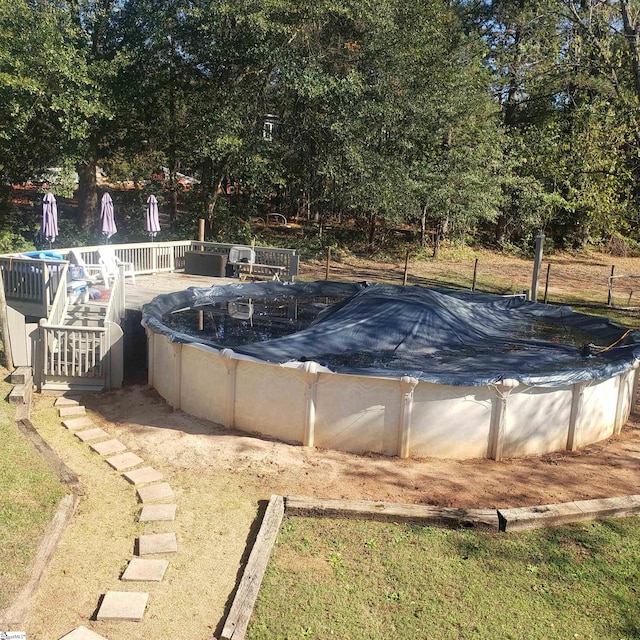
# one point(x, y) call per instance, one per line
point(369, 580)
point(29, 495)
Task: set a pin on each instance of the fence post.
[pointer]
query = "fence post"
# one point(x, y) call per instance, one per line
point(475, 276)
point(546, 283)
point(536, 267)
point(406, 269)
point(326, 273)
point(610, 296)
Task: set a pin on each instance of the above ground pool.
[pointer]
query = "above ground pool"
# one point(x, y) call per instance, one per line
point(392, 370)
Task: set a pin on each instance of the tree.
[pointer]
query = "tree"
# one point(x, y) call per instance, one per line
point(44, 88)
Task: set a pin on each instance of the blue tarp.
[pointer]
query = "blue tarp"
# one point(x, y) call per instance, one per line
point(437, 335)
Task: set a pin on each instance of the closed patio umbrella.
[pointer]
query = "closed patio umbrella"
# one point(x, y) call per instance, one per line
point(107, 219)
point(49, 226)
point(152, 222)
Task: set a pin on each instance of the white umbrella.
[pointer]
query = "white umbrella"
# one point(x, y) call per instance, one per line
point(107, 219)
point(152, 222)
point(49, 226)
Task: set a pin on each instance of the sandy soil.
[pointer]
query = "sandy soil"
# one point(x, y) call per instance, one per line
point(222, 480)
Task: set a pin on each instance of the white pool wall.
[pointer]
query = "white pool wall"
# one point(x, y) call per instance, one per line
point(394, 417)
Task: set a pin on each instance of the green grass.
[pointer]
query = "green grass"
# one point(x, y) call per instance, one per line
point(29, 494)
point(366, 580)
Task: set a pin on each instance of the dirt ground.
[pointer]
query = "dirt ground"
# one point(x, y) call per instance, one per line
point(222, 480)
point(605, 469)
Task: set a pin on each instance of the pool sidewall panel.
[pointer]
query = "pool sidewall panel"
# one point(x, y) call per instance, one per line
point(357, 414)
point(598, 416)
point(537, 421)
point(205, 381)
point(450, 422)
point(163, 367)
point(271, 400)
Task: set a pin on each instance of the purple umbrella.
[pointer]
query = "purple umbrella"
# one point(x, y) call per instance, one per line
point(152, 223)
point(107, 220)
point(49, 228)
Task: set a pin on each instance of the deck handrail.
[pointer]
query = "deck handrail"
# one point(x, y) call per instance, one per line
point(32, 282)
point(59, 306)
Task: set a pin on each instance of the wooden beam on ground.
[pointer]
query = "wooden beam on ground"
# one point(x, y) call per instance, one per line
point(64, 473)
point(481, 519)
point(237, 621)
point(553, 515)
point(14, 617)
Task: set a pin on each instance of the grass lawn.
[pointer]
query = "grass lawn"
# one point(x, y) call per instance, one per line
point(368, 580)
point(29, 495)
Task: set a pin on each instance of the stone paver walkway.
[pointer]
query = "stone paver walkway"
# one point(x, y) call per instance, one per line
point(126, 605)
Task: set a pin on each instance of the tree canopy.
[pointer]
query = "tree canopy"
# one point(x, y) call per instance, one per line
point(481, 120)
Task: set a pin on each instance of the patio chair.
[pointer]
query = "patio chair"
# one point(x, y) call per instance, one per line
point(92, 273)
point(111, 262)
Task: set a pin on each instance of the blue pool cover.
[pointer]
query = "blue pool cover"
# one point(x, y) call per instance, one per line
point(436, 335)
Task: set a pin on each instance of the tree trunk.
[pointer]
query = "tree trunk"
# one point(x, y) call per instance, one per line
point(87, 195)
point(372, 230)
point(501, 229)
point(423, 227)
point(631, 36)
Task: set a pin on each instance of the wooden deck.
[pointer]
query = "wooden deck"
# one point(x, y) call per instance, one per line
point(147, 287)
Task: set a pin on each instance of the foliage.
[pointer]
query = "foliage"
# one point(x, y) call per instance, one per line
point(353, 579)
point(485, 122)
point(30, 493)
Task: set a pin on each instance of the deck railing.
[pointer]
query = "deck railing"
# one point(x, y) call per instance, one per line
point(30, 285)
point(70, 353)
point(78, 355)
point(38, 288)
point(272, 256)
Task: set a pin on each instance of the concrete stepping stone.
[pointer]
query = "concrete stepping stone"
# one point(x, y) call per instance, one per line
point(91, 434)
point(65, 412)
point(124, 461)
point(157, 543)
point(62, 401)
point(77, 423)
point(82, 633)
point(145, 570)
point(107, 447)
point(158, 513)
point(123, 605)
point(140, 476)
point(155, 492)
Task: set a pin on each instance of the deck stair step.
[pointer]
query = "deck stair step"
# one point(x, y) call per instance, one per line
point(82, 385)
point(83, 321)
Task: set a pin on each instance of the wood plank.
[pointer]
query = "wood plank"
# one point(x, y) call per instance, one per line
point(21, 375)
point(481, 519)
point(15, 615)
point(553, 515)
point(237, 621)
point(21, 394)
point(66, 475)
